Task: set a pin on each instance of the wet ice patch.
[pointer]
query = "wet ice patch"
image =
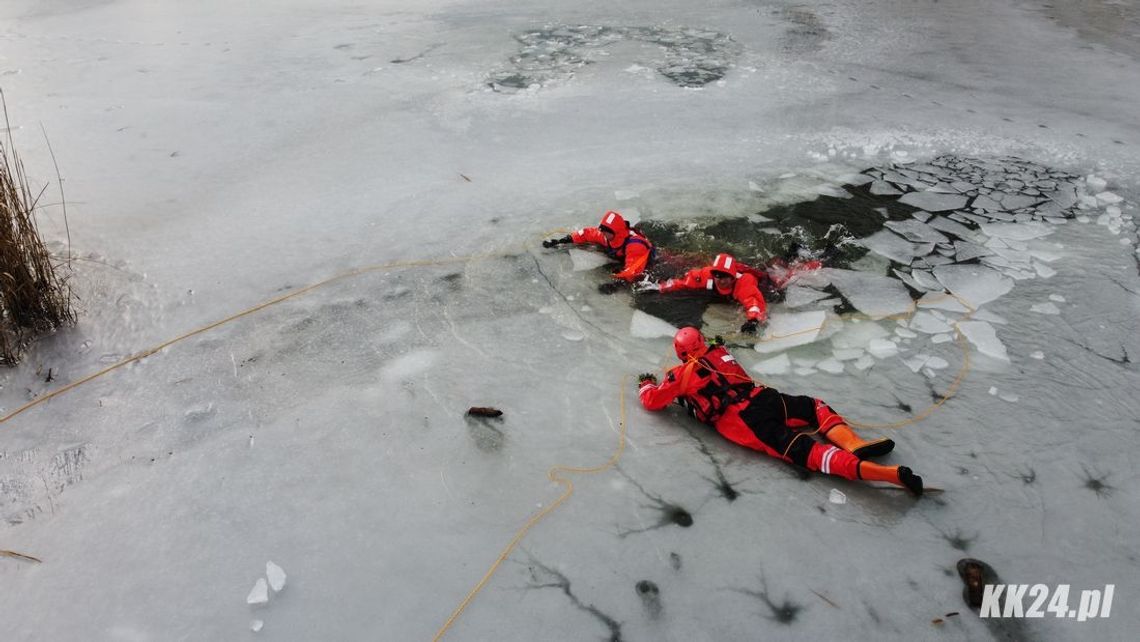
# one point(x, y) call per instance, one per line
point(409, 365)
point(687, 57)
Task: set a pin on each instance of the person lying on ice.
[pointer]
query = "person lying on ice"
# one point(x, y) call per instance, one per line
point(620, 242)
point(727, 278)
point(716, 390)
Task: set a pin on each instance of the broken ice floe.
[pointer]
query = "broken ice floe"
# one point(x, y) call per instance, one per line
point(796, 296)
point(873, 295)
point(646, 326)
point(777, 365)
point(975, 285)
point(259, 594)
point(276, 576)
point(789, 330)
point(984, 338)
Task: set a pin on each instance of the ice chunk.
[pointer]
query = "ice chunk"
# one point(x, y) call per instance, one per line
point(982, 335)
point(916, 362)
point(847, 354)
point(933, 201)
point(927, 323)
point(882, 348)
point(256, 625)
point(587, 260)
point(1044, 308)
point(873, 295)
point(1037, 354)
point(986, 315)
point(1057, 297)
point(1106, 198)
point(796, 296)
point(777, 365)
point(883, 188)
point(941, 338)
point(910, 281)
point(975, 285)
point(892, 246)
point(1017, 231)
point(259, 594)
point(857, 335)
point(905, 333)
point(943, 224)
point(1095, 183)
point(864, 362)
point(917, 231)
point(647, 326)
point(573, 335)
point(832, 366)
point(789, 330)
point(805, 372)
point(993, 391)
point(1008, 396)
point(937, 363)
point(985, 203)
point(836, 496)
point(1044, 271)
point(276, 576)
point(965, 251)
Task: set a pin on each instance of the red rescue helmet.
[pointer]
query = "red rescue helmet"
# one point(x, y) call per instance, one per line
point(689, 344)
point(724, 264)
point(613, 222)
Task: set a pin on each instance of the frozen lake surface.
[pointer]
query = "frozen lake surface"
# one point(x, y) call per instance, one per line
point(974, 163)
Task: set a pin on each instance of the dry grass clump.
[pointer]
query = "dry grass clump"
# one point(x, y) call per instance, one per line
point(34, 298)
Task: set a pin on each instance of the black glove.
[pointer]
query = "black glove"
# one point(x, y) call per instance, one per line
point(750, 326)
point(556, 242)
point(646, 376)
point(610, 287)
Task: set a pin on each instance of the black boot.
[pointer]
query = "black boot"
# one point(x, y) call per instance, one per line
point(912, 482)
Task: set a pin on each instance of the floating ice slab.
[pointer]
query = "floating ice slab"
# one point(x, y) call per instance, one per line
point(941, 338)
point(917, 231)
point(933, 201)
point(586, 260)
point(927, 323)
point(796, 296)
point(940, 301)
point(974, 284)
point(873, 295)
point(777, 365)
point(892, 246)
point(259, 594)
point(864, 362)
point(1108, 198)
point(1017, 231)
point(832, 366)
point(789, 330)
point(982, 335)
point(276, 576)
point(856, 336)
point(883, 188)
point(847, 354)
point(882, 348)
point(1044, 308)
point(647, 326)
point(937, 363)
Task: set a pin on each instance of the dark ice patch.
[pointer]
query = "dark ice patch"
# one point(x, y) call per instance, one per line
point(650, 596)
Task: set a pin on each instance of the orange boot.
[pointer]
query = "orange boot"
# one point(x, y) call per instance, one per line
point(897, 475)
point(841, 435)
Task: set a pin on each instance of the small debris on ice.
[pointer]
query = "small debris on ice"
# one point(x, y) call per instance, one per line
point(276, 574)
point(993, 391)
point(1005, 396)
point(259, 594)
point(941, 338)
point(1044, 308)
point(882, 348)
point(836, 496)
point(984, 338)
point(256, 625)
point(475, 411)
point(1057, 297)
point(1037, 354)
